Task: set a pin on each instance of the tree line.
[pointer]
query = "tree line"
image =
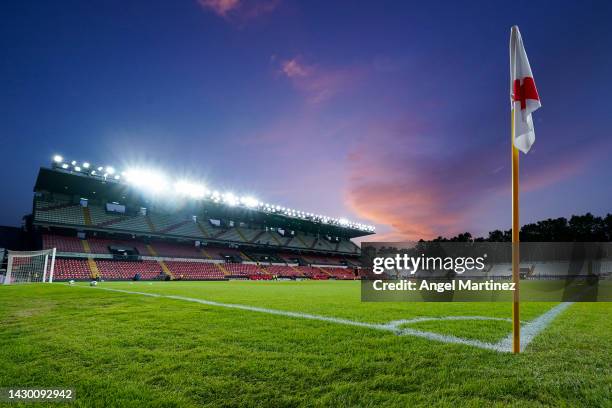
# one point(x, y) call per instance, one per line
point(579, 228)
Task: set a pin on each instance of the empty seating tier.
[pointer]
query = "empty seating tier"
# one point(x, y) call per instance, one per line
point(66, 269)
point(195, 270)
point(126, 270)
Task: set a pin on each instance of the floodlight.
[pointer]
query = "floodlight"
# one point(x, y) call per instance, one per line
point(110, 170)
point(64, 166)
point(100, 168)
point(58, 159)
point(85, 165)
point(117, 177)
point(73, 162)
point(249, 201)
point(93, 173)
point(230, 199)
point(190, 189)
point(77, 168)
point(149, 180)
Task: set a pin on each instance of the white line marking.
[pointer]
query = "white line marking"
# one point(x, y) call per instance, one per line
point(535, 327)
point(529, 330)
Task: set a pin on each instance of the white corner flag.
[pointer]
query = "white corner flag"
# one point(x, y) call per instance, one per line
point(523, 93)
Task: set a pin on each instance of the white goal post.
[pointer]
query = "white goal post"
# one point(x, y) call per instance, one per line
point(30, 266)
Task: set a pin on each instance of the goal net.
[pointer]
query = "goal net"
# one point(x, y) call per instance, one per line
point(30, 266)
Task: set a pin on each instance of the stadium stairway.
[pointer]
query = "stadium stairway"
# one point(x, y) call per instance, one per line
point(86, 247)
point(241, 234)
point(301, 241)
point(87, 216)
point(202, 230)
point(246, 257)
point(150, 223)
point(222, 269)
point(256, 237)
point(206, 254)
point(93, 268)
point(323, 271)
point(314, 243)
point(161, 262)
point(274, 237)
point(218, 234)
point(91, 263)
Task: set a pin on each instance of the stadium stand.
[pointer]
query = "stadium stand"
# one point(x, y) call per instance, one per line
point(284, 271)
point(56, 213)
point(126, 270)
point(340, 273)
point(240, 269)
point(66, 269)
point(102, 230)
point(63, 244)
point(195, 270)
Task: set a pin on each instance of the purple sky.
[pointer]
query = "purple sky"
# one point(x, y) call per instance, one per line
point(388, 113)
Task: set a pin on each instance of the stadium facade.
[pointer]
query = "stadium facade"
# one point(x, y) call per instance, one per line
point(105, 226)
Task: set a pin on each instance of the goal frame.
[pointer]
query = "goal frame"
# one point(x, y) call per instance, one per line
point(48, 267)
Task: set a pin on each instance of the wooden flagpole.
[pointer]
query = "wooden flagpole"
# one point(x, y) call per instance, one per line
point(516, 321)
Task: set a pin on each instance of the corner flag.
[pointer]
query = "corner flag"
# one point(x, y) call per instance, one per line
point(523, 93)
point(525, 100)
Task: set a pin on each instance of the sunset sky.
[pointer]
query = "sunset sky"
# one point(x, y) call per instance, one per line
point(390, 113)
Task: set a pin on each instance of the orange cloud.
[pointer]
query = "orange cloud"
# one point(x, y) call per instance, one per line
point(400, 177)
point(292, 68)
point(319, 84)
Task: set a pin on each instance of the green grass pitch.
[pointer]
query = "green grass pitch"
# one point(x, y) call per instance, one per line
point(120, 349)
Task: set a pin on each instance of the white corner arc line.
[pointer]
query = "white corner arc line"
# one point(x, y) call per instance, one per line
point(529, 330)
point(535, 327)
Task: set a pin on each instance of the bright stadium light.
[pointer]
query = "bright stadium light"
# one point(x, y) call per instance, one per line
point(155, 182)
point(249, 201)
point(189, 189)
point(230, 199)
point(148, 180)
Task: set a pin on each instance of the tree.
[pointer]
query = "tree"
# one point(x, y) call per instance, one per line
point(581, 228)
